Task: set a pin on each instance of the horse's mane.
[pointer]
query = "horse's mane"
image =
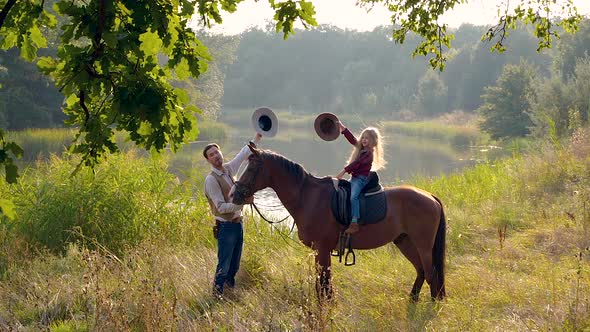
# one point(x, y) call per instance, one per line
point(293, 168)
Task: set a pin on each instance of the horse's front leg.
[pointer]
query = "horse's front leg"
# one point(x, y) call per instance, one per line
point(323, 262)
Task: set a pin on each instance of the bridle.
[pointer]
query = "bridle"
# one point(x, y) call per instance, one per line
point(247, 189)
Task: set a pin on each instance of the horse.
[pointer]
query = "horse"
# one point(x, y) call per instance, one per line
point(415, 219)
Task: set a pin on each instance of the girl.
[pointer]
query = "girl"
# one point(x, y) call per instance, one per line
point(367, 155)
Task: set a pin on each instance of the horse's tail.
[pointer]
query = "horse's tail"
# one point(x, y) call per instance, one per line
point(438, 256)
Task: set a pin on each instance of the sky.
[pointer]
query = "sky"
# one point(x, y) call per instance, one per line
point(346, 15)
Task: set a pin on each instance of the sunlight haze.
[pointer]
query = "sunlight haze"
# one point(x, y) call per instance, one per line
point(346, 15)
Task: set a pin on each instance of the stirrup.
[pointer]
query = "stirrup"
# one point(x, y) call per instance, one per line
point(349, 252)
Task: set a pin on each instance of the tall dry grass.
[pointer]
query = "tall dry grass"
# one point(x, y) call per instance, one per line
point(517, 260)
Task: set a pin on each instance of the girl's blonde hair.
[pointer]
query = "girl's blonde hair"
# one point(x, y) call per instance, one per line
point(375, 140)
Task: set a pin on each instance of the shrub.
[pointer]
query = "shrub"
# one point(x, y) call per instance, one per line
point(123, 201)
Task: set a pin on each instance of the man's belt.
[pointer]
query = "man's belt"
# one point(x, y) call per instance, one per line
point(234, 220)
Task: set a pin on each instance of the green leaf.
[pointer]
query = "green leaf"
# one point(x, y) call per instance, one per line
point(7, 209)
point(150, 43)
point(110, 39)
point(192, 109)
point(28, 51)
point(11, 173)
point(51, 19)
point(71, 100)
point(46, 64)
point(183, 97)
point(308, 12)
point(192, 133)
point(145, 129)
point(37, 37)
point(182, 69)
point(9, 41)
point(15, 148)
point(173, 120)
point(68, 32)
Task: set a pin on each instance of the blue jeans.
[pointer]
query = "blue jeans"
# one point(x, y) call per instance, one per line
point(357, 183)
point(229, 253)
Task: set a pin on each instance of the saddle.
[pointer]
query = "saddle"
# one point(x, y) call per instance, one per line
point(373, 205)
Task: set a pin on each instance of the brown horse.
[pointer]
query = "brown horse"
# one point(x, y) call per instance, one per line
point(415, 219)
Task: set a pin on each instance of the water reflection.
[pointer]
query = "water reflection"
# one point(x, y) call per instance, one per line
point(406, 157)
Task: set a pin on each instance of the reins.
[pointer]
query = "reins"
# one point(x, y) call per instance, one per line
point(266, 219)
point(272, 224)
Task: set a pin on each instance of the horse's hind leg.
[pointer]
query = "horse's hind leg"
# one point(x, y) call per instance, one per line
point(411, 252)
point(426, 257)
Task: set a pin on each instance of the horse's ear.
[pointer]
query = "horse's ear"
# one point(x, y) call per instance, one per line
point(253, 148)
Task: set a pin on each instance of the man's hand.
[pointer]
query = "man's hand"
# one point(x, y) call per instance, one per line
point(257, 138)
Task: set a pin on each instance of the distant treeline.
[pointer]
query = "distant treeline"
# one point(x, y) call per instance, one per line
point(329, 69)
point(28, 99)
point(322, 69)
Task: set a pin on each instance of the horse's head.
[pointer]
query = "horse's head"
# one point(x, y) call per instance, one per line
point(252, 179)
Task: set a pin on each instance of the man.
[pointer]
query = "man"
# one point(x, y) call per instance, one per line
point(228, 216)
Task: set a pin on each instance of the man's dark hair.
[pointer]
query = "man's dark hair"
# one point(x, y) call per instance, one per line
point(209, 146)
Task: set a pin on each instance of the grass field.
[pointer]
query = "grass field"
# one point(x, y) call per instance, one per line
point(128, 248)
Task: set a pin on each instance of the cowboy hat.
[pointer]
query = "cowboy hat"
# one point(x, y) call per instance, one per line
point(265, 122)
point(326, 126)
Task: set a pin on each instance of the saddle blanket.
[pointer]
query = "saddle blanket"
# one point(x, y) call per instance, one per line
point(373, 203)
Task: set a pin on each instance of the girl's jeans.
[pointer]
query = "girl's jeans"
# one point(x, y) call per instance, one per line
point(357, 183)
